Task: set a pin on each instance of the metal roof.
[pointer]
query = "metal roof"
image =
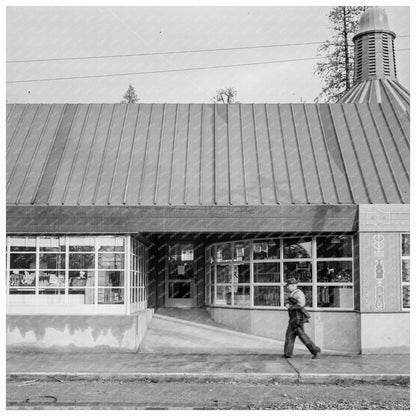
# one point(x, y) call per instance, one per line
point(206, 154)
point(379, 91)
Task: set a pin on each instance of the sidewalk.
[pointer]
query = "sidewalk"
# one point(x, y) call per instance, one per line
point(203, 367)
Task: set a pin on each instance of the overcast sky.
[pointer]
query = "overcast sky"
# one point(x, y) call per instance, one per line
point(65, 32)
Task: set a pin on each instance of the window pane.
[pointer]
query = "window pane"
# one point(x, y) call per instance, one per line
point(81, 260)
point(81, 243)
point(52, 261)
point(405, 244)
point(334, 246)
point(241, 273)
point(242, 296)
point(114, 278)
point(110, 243)
point(110, 261)
point(22, 243)
point(53, 278)
point(52, 244)
point(81, 278)
point(242, 251)
point(179, 290)
point(335, 271)
point(297, 248)
point(266, 272)
point(223, 252)
point(22, 261)
point(223, 295)
point(266, 296)
point(224, 273)
point(266, 249)
point(22, 278)
point(335, 297)
point(406, 270)
point(300, 270)
point(406, 296)
point(110, 296)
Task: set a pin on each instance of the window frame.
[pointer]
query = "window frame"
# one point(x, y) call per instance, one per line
point(210, 253)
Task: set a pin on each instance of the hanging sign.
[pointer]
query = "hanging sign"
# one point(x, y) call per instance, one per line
point(187, 255)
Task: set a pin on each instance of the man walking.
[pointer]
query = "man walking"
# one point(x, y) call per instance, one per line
point(297, 317)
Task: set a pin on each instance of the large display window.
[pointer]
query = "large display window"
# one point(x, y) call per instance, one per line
point(252, 273)
point(88, 272)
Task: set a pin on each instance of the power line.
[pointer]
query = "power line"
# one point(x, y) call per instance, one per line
point(169, 70)
point(164, 53)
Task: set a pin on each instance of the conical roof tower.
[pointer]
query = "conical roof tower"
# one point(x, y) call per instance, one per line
point(375, 77)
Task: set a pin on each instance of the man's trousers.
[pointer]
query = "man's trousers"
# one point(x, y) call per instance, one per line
point(294, 330)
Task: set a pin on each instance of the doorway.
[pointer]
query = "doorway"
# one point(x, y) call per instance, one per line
point(180, 282)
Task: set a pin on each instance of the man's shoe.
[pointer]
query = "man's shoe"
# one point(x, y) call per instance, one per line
point(287, 356)
point(318, 350)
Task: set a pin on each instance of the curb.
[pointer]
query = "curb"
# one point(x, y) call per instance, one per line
point(284, 378)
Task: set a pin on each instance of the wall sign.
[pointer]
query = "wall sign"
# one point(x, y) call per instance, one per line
point(378, 244)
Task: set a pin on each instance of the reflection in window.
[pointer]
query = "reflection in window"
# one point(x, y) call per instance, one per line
point(296, 248)
point(242, 296)
point(325, 278)
point(335, 271)
point(224, 273)
point(266, 272)
point(241, 273)
point(223, 252)
point(223, 295)
point(266, 249)
point(23, 261)
point(267, 295)
point(242, 251)
point(334, 246)
point(299, 270)
point(335, 297)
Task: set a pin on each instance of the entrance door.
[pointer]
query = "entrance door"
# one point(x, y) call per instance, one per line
point(180, 289)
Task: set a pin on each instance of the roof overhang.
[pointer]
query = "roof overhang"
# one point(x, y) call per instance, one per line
point(125, 219)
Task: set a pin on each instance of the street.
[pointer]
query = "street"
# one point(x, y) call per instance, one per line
point(54, 393)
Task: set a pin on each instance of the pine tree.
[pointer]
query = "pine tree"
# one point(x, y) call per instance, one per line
point(337, 68)
point(130, 95)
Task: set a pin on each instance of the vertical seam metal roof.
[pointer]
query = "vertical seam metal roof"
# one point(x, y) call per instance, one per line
point(207, 154)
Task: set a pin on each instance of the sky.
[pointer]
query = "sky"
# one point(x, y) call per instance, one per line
point(67, 32)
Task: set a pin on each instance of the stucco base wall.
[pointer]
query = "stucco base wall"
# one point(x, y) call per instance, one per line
point(69, 332)
point(385, 333)
point(334, 331)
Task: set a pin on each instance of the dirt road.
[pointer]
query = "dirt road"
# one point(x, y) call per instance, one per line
point(112, 394)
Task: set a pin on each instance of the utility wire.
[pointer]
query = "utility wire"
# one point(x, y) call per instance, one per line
point(164, 53)
point(170, 70)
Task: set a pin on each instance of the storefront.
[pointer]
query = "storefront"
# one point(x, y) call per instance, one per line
point(115, 210)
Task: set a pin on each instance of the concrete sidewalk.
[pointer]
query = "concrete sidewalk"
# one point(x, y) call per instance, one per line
point(239, 367)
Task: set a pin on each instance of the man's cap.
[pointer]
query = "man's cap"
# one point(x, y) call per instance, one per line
point(291, 281)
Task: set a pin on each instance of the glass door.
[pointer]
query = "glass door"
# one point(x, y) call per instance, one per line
point(180, 289)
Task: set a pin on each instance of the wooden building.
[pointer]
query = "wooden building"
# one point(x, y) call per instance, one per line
point(114, 210)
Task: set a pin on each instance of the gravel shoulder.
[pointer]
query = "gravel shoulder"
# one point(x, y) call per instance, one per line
point(111, 394)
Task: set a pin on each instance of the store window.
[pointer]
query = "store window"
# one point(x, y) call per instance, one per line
point(405, 273)
point(74, 270)
point(253, 273)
